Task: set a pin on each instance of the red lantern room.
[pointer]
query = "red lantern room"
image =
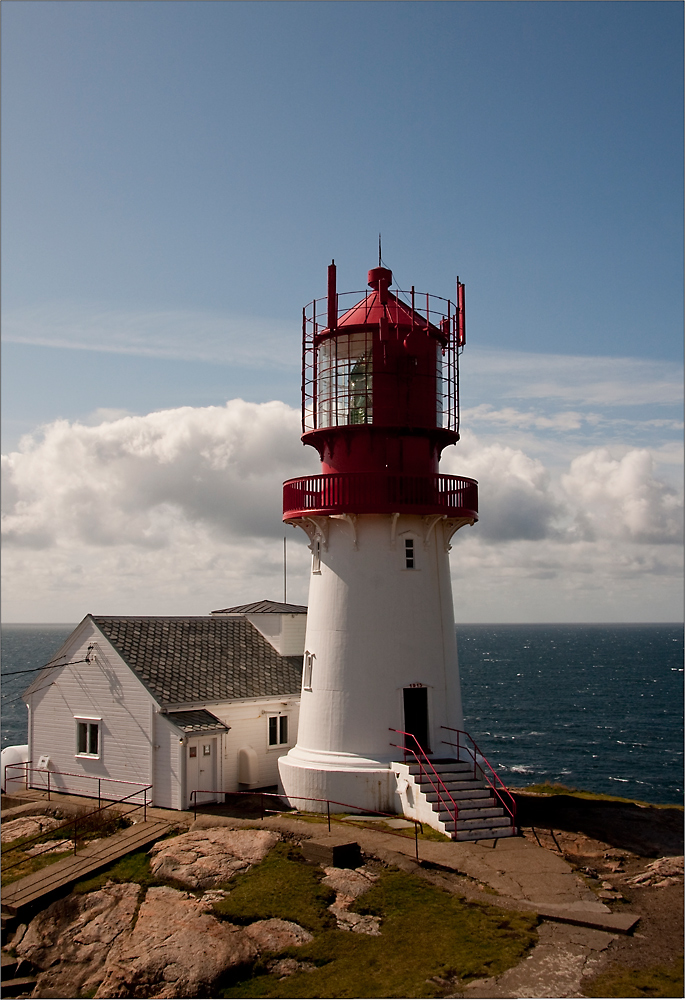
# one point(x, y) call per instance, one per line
point(380, 401)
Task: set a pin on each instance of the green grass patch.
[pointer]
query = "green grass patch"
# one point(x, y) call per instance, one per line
point(133, 867)
point(578, 793)
point(283, 885)
point(425, 932)
point(428, 833)
point(656, 981)
point(28, 865)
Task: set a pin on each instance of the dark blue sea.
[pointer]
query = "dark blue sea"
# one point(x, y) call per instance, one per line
point(598, 707)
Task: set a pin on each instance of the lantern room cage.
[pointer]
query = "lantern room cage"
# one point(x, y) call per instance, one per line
point(340, 339)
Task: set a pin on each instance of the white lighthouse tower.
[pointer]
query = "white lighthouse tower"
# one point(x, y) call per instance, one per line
point(381, 705)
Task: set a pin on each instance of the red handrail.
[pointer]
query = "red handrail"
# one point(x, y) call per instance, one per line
point(422, 756)
point(477, 753)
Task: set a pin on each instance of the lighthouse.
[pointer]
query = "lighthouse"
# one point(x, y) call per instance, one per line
point(381, 704)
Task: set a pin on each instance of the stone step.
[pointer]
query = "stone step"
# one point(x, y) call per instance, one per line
point(485, 814)
point(424, 781)
point(452, 765)
point(491, 822)
point(486, 833)
point(464, 800)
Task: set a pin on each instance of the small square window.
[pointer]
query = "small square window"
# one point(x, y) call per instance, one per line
point(192, 751)
point(206, 749)
point(88, 739)
point(409, 562)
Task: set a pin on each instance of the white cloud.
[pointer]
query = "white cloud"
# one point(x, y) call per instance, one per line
point(621, 498)
point(134, 480)
point(590, 381)
point(219, 338)
point(178, 512)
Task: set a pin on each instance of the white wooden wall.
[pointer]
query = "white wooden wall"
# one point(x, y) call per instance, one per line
point(168, 774)
point(104, 688)
point(249, 727)
point(284, 632)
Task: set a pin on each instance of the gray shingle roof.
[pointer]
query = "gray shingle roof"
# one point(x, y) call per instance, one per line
point(198, 721)
point(191, 660)
point(264, 607)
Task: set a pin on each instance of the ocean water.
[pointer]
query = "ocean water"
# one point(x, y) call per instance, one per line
point(598, 707)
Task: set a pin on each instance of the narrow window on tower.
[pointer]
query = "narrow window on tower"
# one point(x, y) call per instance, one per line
point(409, 553)
point(307, 673)
point(316, 556)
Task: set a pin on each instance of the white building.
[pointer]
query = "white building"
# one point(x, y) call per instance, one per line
point(181, 704)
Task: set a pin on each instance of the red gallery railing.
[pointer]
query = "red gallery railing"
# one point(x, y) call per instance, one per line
point(379, 493)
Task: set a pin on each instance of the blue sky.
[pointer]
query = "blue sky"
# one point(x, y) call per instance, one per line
point(176, 177)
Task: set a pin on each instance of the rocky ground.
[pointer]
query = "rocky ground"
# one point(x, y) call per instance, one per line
point(164, 941)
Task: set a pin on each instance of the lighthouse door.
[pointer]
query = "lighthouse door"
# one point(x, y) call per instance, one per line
point(201, 770)
point(416, 716)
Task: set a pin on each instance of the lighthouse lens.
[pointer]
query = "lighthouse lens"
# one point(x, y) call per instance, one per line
point(344, 380)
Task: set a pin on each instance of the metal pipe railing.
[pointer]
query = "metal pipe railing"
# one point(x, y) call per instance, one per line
point(420, 758)
point(479, 759)
point(304, 798)
point(75, 820)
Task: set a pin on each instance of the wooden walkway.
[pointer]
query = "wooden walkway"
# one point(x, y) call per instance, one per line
point(89, 859)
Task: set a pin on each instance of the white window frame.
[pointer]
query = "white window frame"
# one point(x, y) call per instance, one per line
point(281, 723)
point(409, 553)
point(90, 722)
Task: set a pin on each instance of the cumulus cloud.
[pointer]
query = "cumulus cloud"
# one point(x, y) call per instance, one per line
point(622, 499)
point(179, 512)
point(516, 499)
point(135, 480)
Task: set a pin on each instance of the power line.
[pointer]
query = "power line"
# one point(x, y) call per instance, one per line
point(46, 666)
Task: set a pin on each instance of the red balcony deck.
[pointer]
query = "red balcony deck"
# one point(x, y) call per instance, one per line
point(380, 493)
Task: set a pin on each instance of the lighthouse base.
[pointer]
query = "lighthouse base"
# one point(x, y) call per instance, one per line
point(312, 780)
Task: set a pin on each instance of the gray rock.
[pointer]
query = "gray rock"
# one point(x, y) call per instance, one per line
point(202, 858)
point(71, 938)
point(176, 949)
point(277, 935)
point(27, 826)
point(348, 885)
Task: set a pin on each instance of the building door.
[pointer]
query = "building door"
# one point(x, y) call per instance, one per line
point(416, 717)
point(201, 770)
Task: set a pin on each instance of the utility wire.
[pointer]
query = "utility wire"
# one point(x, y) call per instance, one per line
point(46, 666)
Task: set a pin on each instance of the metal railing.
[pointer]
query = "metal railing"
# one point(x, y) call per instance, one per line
point(84, 819)
point(406, 309)
point(363, 492)
point(302, 798)
point(438, 785)
point(49, 786)
point(480, 763)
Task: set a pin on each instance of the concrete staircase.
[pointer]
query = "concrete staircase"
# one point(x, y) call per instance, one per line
point(480, 814)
